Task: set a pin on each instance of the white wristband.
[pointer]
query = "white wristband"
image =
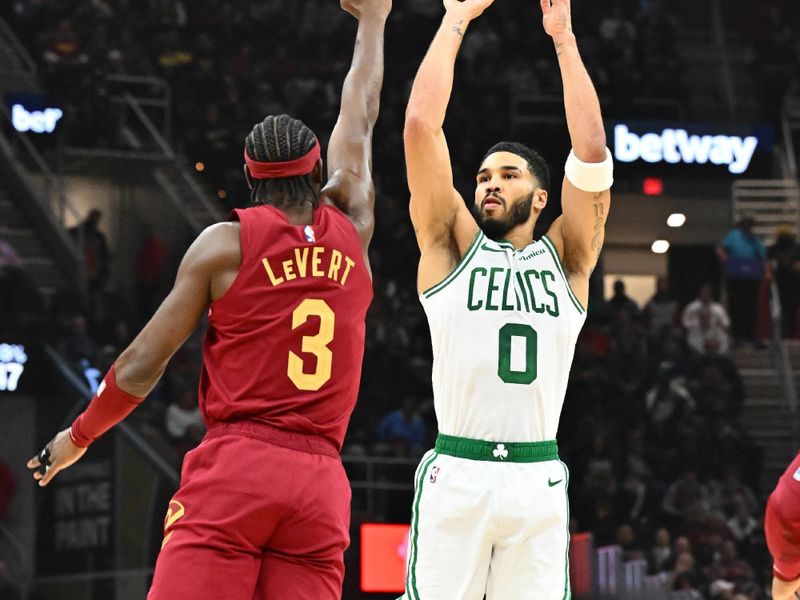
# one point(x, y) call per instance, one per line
point(590, 177)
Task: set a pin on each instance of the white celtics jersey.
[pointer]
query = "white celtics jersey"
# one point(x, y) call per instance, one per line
point(503, 327)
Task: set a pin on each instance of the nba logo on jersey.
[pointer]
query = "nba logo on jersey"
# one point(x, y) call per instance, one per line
point(309, 231)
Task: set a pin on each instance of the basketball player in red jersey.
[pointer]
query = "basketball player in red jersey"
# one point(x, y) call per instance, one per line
point(263, 508)
point(782, 529)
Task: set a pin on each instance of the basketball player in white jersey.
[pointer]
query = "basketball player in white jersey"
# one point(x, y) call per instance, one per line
point(490, 512)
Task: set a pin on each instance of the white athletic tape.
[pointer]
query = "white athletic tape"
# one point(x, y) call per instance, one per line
point(590, 177)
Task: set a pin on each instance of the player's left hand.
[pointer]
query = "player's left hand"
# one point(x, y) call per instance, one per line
point(361, 8)
point(556, 17)
point(59, 454)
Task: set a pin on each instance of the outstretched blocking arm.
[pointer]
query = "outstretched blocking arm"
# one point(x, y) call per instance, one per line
point(441, 221)
point(350, 185)
point(211, 260)
point(585, 195)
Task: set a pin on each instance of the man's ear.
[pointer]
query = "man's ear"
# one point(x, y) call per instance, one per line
point(540, 199)
point(318, 174)
point(248, 177)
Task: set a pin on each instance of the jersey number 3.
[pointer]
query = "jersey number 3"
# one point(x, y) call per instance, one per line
point(528, 336)
point(313, 344)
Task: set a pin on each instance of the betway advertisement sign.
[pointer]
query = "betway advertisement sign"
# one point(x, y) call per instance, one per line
point(689, 144)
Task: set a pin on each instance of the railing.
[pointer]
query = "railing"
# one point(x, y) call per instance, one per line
point(771, 202)
point(783, 363)
point(20, 54)
point(161, 466)
point(51, 203)
point(185, 184)
point(790, 124)
point(363, 473)
point(51, 190)
point(135, 96)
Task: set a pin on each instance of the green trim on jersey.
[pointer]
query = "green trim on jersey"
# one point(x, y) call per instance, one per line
point(471, 251)
point(411, 574)
point(510, 452)
point(552, 248)
point(567, 587)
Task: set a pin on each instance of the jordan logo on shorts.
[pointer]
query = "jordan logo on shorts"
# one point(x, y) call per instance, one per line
point(175, 512)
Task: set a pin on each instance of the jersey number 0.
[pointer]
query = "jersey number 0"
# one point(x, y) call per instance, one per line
point(313, 344)
point(504, 371)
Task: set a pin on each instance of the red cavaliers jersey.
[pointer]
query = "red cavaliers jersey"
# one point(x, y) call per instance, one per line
point(285, 343)
point(786, 496)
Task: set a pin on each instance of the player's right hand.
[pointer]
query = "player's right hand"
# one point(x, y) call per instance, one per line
point(360, 8)
point(59, 454)
point(470, 9)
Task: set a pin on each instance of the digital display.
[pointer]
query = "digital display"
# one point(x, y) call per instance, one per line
point(384, 549)
point(12, 365)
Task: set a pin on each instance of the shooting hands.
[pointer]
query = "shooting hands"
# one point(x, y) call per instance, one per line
point(467, 9)
point(556, 17)
point(367, 8)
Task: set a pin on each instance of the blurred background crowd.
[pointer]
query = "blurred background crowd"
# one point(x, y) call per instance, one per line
point(660, 462)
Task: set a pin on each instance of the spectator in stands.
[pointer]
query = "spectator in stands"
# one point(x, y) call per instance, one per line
point(76, 345)
point(626, 539)
point(62, 47)
point(659, 556)
point(183, 421)
point(729, 567)
point(661, 310)
point(150, 263)
point(93, 244)
point(622, 302)
point(742, 525)
point(784, 257)
point(404, 427)
point(706, 324)
point(744, 266)
point(684, 494)
point(684, 577)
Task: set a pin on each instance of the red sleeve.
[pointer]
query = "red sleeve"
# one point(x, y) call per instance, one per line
point(108, 407)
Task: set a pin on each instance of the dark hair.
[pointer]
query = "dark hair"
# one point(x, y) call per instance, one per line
point(278, 139)
point(536, 164)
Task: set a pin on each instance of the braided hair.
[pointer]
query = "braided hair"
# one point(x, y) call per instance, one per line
point(278, 139)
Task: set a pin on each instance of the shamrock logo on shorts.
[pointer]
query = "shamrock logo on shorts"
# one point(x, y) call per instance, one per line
point(500, 452)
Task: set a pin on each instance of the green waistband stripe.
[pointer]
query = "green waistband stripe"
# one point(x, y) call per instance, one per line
point(520, 452)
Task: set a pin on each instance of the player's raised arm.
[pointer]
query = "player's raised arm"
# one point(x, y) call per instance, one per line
point(211, 262)
point(586, 196)
point(437, 210)
point(350, 185)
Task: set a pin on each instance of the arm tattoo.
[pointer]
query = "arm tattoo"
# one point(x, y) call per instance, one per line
point(559, 51)
point(599, 220)
point(457, 28)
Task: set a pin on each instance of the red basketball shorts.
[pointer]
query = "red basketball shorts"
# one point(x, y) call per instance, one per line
point(260, 515)
point(783, 541)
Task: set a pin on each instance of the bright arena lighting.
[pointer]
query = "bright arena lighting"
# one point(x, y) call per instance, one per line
point(676, 220)
point(660, 246)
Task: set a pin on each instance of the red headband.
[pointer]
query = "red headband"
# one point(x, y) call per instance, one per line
point(289, 168)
